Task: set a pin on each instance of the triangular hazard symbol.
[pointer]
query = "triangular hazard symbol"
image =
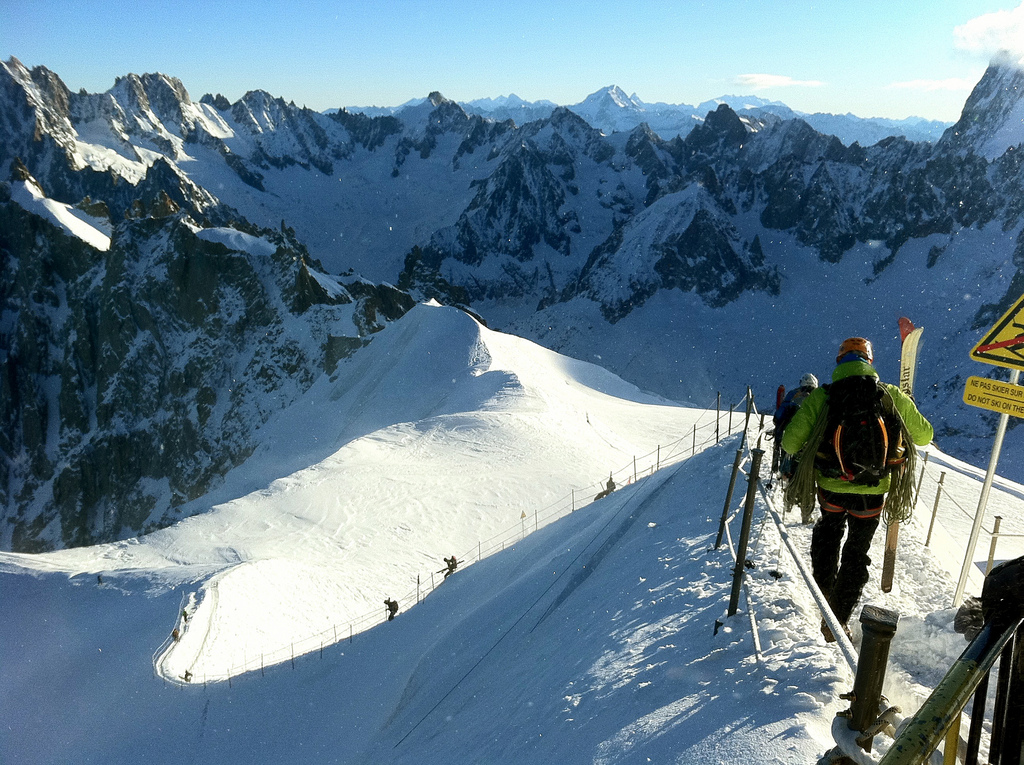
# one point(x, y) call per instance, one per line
point(1003, 345)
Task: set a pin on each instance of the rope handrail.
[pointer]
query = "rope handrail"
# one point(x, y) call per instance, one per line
point(967, 513)
point(557, 509)
point(845, 646)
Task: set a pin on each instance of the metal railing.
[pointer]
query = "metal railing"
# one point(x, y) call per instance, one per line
point(938, 719)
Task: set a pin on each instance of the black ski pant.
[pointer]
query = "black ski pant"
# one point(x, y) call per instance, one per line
point(841, 570)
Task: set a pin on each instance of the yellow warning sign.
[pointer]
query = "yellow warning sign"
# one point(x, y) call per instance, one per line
point(1003, 345)
point(995, 396)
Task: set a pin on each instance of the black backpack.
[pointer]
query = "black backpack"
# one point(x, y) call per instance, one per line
point(863, 439)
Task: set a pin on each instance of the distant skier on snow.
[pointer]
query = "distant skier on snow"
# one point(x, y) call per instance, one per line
point(608, 489)
point(452, 563)
point(856, 438)
point(392, 606)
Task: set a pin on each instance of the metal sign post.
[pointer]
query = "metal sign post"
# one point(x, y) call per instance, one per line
point(1003, 345)
point(983, 500)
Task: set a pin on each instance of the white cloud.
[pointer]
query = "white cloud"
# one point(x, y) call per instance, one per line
point(765, 81)
point(954, 84)
point(999, 33)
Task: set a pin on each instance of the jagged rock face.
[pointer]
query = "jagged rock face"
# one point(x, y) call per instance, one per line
point(993, 116)
point(283, 135)
point(696, 249)
point(523, 227)
point(132, 379)
point(705, 259)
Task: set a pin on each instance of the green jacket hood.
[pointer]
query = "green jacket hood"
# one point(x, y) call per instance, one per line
point(853, 369)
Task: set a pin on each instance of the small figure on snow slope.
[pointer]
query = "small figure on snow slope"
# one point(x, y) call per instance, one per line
point(858, 435)
point(452, 563)
point(392, 606)
point(608, 489)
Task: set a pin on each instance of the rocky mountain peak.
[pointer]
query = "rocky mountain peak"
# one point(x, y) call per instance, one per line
point(39, 95)
point(436, 99)
point(156, 101)
point(258, 110)
point(218, 102)
point(992, 120)
point(613, 94)
point(722, 129)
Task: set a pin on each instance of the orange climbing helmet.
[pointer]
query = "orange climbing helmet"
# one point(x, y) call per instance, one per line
point(859, 345)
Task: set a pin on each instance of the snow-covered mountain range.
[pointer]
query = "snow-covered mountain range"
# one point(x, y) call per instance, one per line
point(250, 246)
point(612, 111)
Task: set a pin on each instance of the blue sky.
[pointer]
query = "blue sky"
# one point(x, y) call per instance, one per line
point(874, 58)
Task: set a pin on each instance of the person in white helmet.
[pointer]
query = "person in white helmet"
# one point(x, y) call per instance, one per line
point(786, 464)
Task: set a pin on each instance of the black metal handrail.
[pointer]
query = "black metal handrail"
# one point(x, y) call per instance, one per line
point(1002, 637)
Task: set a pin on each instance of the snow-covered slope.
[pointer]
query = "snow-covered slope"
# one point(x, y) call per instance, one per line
point(441, 434)
point(91, 229)
point(591, 639)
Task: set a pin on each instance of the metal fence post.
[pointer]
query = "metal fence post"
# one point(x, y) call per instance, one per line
point(935, 508)
point(750, 409)
point(879, 625)
point(748, 512)
point(992, 546)
point(718, 415)
point(728, 497)
point(920, 480)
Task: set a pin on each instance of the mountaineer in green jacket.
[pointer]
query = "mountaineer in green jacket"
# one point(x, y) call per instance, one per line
point(856, 437)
